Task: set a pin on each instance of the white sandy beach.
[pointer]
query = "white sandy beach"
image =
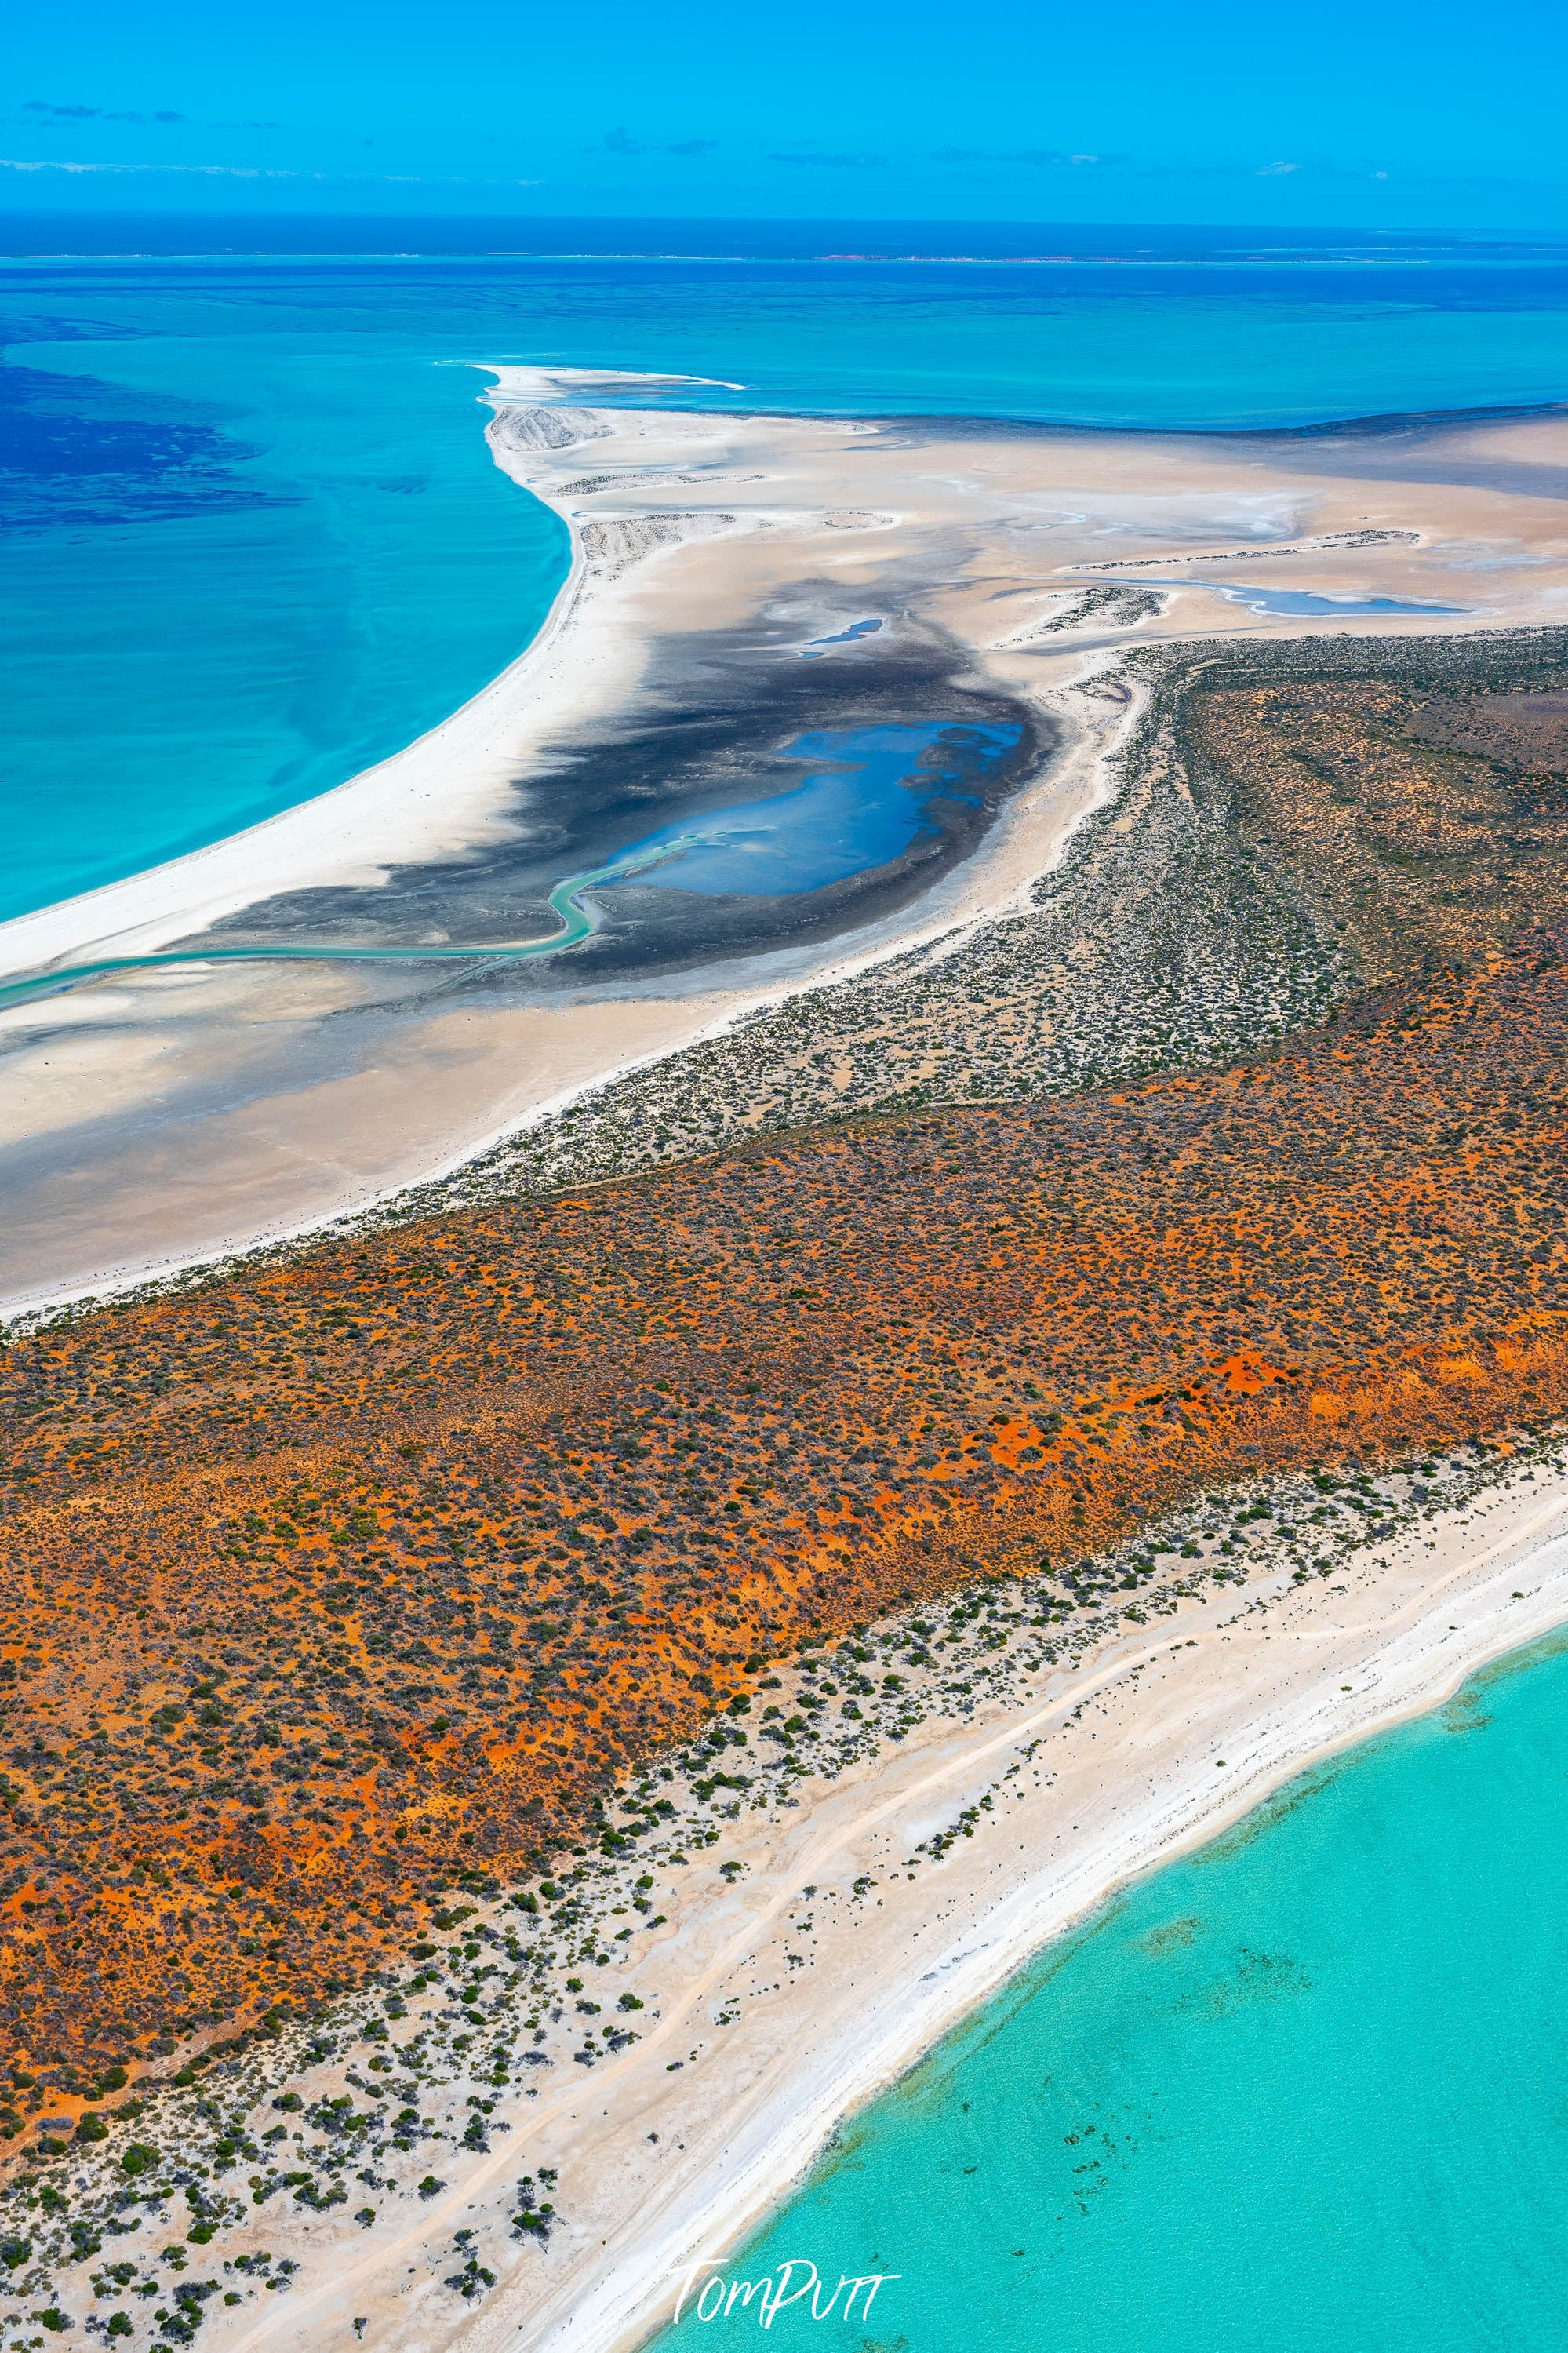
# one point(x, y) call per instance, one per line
point(770, 2010)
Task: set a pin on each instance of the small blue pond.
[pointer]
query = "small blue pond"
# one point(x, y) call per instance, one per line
point(819, 646)
point(862, 811)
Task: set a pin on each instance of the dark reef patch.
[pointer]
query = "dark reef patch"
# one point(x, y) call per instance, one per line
point(70, 456)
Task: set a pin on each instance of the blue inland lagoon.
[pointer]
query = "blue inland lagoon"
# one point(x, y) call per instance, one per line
point(1306, 2092)
point(253, 539)
point(862, 812)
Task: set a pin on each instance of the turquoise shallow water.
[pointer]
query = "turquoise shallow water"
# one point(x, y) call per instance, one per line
point(324, 565)
point(1305, 2092)
point(253, 540)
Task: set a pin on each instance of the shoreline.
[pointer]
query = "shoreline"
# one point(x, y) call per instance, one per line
point(142, 912)
point(953, 1843)
point(1406, 1657)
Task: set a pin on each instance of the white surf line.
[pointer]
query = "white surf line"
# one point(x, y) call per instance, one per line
point(1189, 1816)
point(568, 385)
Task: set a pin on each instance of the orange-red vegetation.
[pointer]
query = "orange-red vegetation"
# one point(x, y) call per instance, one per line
point(327, 1585)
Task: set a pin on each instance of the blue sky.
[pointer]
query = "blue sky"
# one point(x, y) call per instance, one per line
point(1393, 114)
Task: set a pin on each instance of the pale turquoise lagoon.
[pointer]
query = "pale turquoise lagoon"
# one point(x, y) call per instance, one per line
point(1304, 2092)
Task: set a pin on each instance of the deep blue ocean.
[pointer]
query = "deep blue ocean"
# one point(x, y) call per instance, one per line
point(252, 539)
point(1305, 2092)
